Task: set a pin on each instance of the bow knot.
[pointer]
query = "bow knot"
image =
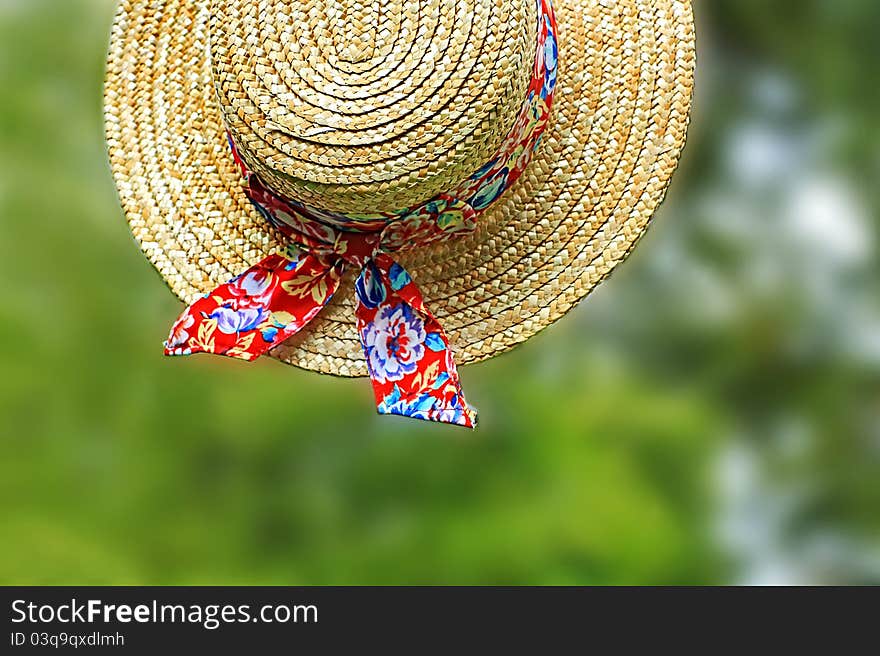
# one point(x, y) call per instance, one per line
point(407, 352)
point(357, 248)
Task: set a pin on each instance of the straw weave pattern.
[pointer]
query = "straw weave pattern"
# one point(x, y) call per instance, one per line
point(355, 105)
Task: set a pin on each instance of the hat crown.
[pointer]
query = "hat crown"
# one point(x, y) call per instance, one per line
point(362, 106)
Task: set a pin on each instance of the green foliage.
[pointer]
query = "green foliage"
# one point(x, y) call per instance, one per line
point(602, 439)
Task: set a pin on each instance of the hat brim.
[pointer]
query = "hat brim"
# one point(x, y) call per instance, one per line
point(620, 117)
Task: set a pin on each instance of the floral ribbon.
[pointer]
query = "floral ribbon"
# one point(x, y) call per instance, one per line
point(407, 352)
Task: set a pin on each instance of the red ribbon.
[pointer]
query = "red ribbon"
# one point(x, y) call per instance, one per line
point(407, 351)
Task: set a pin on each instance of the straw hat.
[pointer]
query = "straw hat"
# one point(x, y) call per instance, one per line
point(357, 108)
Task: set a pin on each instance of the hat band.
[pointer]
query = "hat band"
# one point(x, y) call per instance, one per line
point(407, 352)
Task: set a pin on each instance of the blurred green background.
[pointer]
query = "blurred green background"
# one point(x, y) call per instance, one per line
point(710, 415)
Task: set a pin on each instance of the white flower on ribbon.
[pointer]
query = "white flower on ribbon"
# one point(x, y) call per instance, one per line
point(231, 321)
point(179, 336)
point(394, 342)
point(253, 289)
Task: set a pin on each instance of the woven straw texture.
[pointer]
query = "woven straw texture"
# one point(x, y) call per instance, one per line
point(354, 107)
point(360, 106)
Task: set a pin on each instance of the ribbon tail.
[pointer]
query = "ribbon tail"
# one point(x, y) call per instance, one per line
point(257, 310)
point(407, 351)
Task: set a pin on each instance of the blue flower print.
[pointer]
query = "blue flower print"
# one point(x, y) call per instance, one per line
point(369, 287)
point(490, 190)
point(399, 277)
point(424, 406)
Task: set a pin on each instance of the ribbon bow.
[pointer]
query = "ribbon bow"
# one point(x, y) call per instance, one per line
point(406, 349)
